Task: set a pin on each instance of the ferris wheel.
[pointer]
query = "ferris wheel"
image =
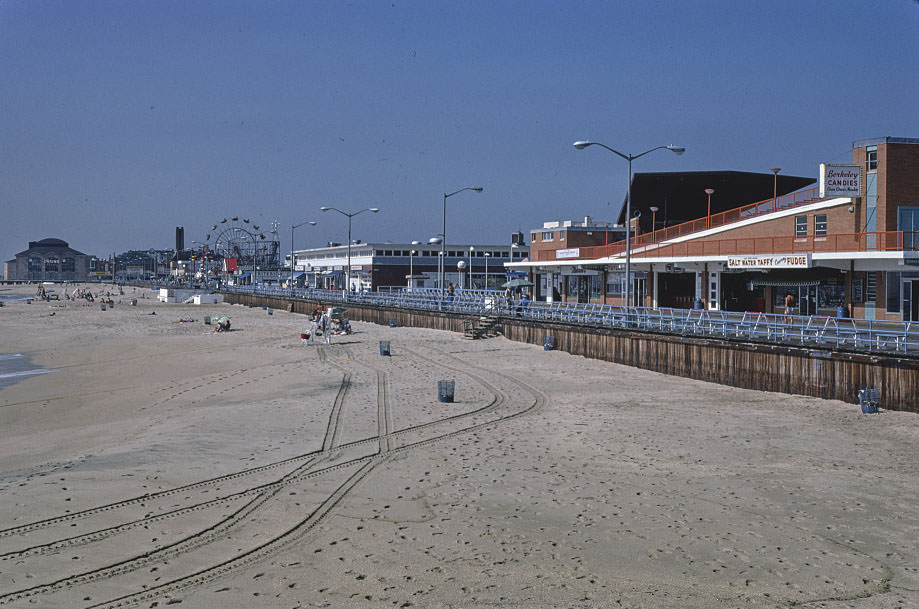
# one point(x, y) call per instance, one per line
point(240, 239)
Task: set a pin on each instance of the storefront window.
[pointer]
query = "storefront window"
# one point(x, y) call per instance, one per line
point(832, 295)
point(572, 292)
point(596, 287)
point(800, 226)
point(614, 283)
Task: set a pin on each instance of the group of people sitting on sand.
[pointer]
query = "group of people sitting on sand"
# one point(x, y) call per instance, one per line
point(325, 323)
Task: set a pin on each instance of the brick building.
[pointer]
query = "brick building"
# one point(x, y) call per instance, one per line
point(857, 252)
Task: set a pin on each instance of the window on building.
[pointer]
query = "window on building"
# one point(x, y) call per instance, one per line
point(504, 254)
point(820, 224)
point(893, 292)
point(561, 235)
point(615, 282)
point(800, 226)
point(872, 158)
point(532, 237)
point(547, 235)
point(596, 287)
point(871, 287)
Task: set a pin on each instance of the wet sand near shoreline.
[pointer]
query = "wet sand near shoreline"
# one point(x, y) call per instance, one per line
point(162, 463)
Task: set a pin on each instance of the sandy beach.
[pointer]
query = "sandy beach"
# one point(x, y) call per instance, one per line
point(161, 463)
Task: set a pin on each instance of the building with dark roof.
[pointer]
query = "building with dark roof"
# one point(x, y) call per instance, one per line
point(680, 196)
point(48, 260)
point(848, 247)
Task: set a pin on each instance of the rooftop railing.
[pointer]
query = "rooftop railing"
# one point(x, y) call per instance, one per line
point(760, 208)
point(853, 242)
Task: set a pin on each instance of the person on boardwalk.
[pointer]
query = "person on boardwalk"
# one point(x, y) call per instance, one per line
point(789, 307)
point(450, 290)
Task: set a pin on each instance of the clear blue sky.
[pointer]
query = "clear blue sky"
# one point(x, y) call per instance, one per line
point(120, 120)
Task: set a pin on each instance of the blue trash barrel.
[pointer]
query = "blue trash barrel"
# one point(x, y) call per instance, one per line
point(445, 390)
point(840, 312)
point(697, 303)
point(548, 343)
point(384, 347)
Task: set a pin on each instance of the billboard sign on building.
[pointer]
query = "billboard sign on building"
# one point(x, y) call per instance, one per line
point(775, 261)
point(840, 180)
point(567, 253)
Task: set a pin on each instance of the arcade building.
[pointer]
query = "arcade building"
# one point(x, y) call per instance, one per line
point(736, 241)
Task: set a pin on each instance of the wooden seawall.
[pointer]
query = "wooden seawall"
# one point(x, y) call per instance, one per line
point(766, 367)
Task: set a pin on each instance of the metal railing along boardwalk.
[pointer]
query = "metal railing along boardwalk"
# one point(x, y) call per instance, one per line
point(861, 335)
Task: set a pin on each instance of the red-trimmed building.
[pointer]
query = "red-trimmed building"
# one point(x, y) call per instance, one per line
point(858, 252)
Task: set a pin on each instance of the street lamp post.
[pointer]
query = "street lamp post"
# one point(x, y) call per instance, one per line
point(349, 215)
point(581, 145)
point(411, 270)
point(471, 249)
point(487, 255)
point(440, 273)
point(708, 214)
point(654, 209)
point(443, 243)
point(292, 227)
point(775, 185)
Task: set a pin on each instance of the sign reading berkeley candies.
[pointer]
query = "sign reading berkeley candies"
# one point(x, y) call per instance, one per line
point(840, 180)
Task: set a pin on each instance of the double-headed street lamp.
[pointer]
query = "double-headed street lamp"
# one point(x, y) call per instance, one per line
point(581, 145)
point(292, 227)
point(443, 243)
point(349, 216)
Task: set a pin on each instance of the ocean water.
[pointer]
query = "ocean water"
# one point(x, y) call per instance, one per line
point(15, 367)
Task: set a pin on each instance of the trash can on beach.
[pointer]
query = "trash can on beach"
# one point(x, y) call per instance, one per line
point(102, 306)
point(548, 343)
point(392, 322)
point(384, 347)
point(207, 320)
point(868, 400)
point(445, 390)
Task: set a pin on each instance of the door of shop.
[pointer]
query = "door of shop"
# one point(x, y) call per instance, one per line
point(807, 300)
point(641, 290)
point(583, 289)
